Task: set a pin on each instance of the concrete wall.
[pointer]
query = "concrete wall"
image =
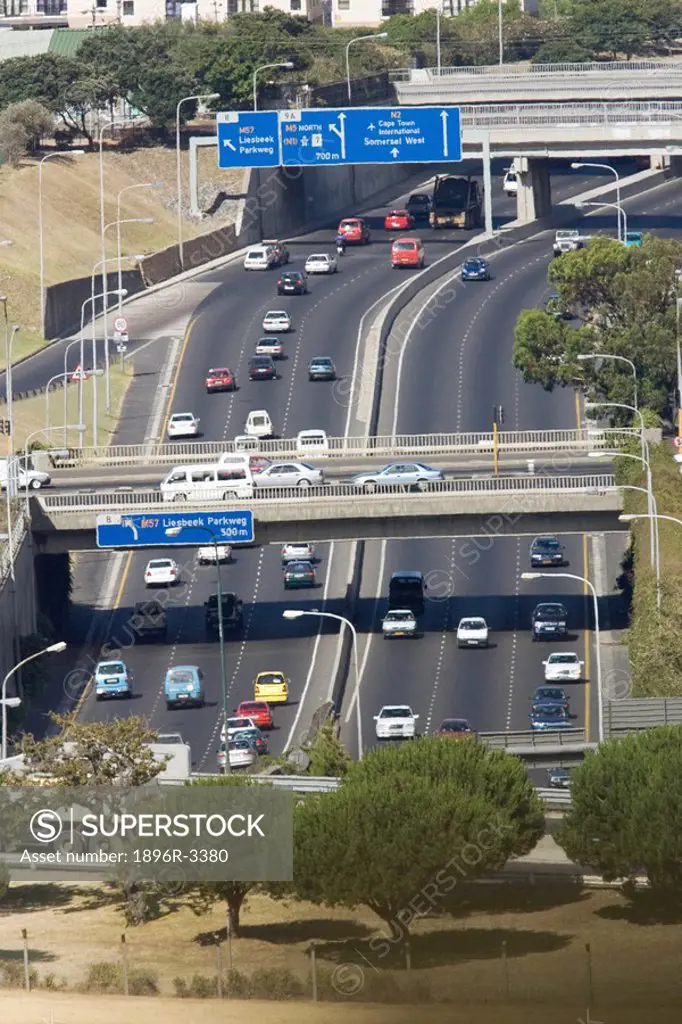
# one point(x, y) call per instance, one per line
point(17, 599)
point(63, 301)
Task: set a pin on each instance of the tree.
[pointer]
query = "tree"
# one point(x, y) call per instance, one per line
point(392, 836)
point(98, 753)
point(13, 142)
point(545, 348)
point(562, 51)
point(328, 756)
point(613, 27)
point(33, 117)
point(4, 880)
point(626, 810)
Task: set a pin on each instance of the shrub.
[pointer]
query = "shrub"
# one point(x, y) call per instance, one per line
point(276, 983)
point(237, 985)
point(12, 974)
point(377, 987)
point(107, 977)
point(200, 986)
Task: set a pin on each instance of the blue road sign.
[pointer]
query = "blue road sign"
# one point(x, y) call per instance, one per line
point(149, 529)
point(248, 138)
point(370, 135)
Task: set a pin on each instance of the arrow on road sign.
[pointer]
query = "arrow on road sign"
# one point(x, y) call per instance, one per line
point(226, 142)
point(79, 373)
point(341, 132)
point(444, 119)
point(395, 152)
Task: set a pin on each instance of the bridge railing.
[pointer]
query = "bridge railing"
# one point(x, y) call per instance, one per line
point(381, 446)
point(541, 115)
point(517, 71)
point(117, 500)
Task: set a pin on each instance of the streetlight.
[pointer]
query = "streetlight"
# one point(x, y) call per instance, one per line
point(266, 67)
point(604, 167)
point(656, 517)
point(297, 613)
point(500, 38)
point(95, 372)
point(619, 212)
point(41, 246)
point(623, 359)
point(630, 408)
point(127, 188)
point(358, 39)
point(175, 531)
point(9, 387)
point(13, 702)
point(110, 123)
point(185, 99)
point(649, 485)
point(678, 304)
point(438, 15)
point(588, 583)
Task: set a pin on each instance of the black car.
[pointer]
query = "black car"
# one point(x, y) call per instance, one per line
point(549, 694)
point(559, 778)
point(549, 621)
point(546, 551)
point(292, 282)
point(261, 368)
point(419, 206)
point(321, 368)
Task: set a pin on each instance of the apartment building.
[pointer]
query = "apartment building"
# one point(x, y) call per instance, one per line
point(100, 13)
point(371, 13)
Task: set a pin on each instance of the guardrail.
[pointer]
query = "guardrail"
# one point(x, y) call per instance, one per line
point(381, 446)
point(558, 115)
point(540, 70)
point(109, 501)
point(536, 739)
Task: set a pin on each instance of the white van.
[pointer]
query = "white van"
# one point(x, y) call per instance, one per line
point(210, 482)
point(258, 424)
point(312, 442)
point(510, 183)
point(23, 475)
point(260, 257)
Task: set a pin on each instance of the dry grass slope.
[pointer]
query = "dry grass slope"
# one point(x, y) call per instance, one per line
point(71, 219)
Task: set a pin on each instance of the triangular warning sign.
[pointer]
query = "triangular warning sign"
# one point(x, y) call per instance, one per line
point(79, 373)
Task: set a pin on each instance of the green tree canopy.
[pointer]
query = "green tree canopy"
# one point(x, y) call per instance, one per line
point(328, 756)
point(616, 28)
point(625, 817)
point(410, 822)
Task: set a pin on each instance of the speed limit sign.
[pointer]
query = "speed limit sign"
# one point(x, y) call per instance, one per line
point(678, 442)
point(120, 324)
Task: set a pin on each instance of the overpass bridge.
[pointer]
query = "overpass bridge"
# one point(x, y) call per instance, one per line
point(613, 81)
point(497, 506)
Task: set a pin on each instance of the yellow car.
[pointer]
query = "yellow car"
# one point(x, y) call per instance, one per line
point(272, 687)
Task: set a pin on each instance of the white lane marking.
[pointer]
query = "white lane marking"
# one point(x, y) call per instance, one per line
point(313, 657)
point(515, 635)
point(370, 635)
point(445, 631)
point(163, 393)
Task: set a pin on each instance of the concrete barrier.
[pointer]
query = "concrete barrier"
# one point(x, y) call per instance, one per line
point(17, 605)
point(63, 301)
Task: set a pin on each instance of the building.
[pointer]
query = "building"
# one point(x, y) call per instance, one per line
point(100, 13)
point(371, 13)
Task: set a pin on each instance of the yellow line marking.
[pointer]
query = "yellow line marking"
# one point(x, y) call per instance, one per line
point(114, 608)
point(176, 378)
point(586, 642)
point(578, 418)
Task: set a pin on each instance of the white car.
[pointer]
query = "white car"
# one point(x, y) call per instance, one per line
point(563, 666)
point(277, 320)
point(260, 257)
point(258, 425)
point(297, 551)
point(236, 725)
point(399, 622)
point(315, 442)
point(472, 632)
point(161, 572)
point(321, 263)
point(290, 474)
point(396, 721)
point(270, 347)
point(183, 424)
point(511, 183)
point(23, 477)
point(241, 753)
point(207, 555)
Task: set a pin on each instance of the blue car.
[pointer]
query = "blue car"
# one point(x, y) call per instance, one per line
point(321, 368)
point(549, 715)
point(112, 679)
point(299, 574)
point(476, 269)
point(184, 687)
point(634, 238)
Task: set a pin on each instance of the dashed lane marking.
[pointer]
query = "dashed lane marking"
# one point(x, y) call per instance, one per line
point(515, 636)
point(445, 632)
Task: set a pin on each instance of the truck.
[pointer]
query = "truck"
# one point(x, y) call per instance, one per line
point(456, 203)
point(233, 613)
point(149, 620)
point(568, 240)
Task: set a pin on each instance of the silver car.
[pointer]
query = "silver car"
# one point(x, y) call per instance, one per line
point(269, 347)
point(297, 551)
point(289, 474)
point(277, 320)
point(405, 474)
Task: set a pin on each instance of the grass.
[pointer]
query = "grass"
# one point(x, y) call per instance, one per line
point(29, 413)
point(655, 649)
point(71, 220)
point(634, 945)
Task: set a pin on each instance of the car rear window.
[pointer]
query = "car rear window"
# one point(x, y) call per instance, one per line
point(405, 246)
point(181, 677)
point(112, 668)
point(162, 563)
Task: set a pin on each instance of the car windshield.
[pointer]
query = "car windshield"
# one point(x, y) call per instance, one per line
point(399, 616)
point(473, 264)
point(271, 679)
point(549, 711)
point(161, 563)
point(563, 659)
point(300, 567)
point(350, 224)
point(550, 611)
point(549, 693)
point(260, 361)
point(322, 361)
point(246, 735)
point(418, 200)
point(472, 624)
point(218, 373)
point(113, 668)
point(181, 676)
point(396, 713)
point(256, 254)
point(276, 314)
point(184, 416)
point(548, 543)
point(250, 706)
point(320, 257)
point(404, 246)
point(453, 725)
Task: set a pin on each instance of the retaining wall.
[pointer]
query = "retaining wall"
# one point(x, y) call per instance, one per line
point(63, 301)
point(19, 595)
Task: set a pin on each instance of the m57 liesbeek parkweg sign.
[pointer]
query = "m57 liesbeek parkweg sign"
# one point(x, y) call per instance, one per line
point(353, 135)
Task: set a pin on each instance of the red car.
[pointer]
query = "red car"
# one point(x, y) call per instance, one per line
point(257, 463)
point(354, 229)
point(258, 711)
point(455, 728)
point(397, 220)
point(220, 380)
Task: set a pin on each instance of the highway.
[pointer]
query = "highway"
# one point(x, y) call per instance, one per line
point(465, 349)
point(222, 332)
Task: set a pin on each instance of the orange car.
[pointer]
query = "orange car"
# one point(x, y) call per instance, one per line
point(397, 220)
point(407, 252)
point(354, 229)
point(258, 711)
point(220, 380)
